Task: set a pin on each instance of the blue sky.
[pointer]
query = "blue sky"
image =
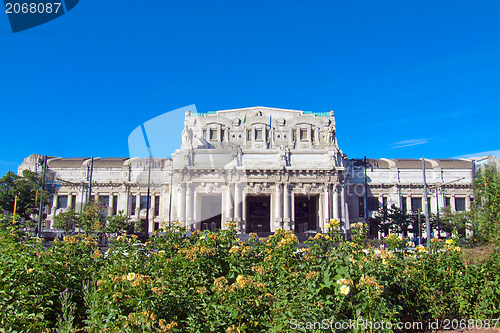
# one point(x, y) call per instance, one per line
point(406, 79)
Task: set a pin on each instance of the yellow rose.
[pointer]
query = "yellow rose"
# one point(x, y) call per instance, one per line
point(334, 222)
point(420, 249)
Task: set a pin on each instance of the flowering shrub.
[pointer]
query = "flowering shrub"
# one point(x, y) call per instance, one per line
point(213, 282)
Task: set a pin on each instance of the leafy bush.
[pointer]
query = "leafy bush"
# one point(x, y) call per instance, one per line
point(213, 282)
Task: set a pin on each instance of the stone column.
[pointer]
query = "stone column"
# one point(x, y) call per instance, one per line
point(189, 207)
point(441, 200)
point(228, 209)
point(152, 207)
point(196, 205)
point(432, 203)
point(278, 201)
point(181, 207)
point(395, 197)
point(138, 205)
point(321, 212)
point(54, 204)
point(342, 203)
point(244, 211)
point(286, 207)
point(237, 201)
point(326, 208)
point(335, 207)
point(110, 204)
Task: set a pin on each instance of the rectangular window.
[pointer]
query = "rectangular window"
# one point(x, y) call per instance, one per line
point(312, 136)
point(447, 201)
point(294, 135)
point(115, 204)
point(416, 204)
point(258, 135)
point(222, 135)
point(144, 202)
point(157, 205)
point(384, 202)
point(361, 206)
point(213, 134)
point(73, 201)
point(205, 134)
point(404, 206)
point(303, 134)
point(460, 204)
point(134, 205)
point(62, 201)
point(249, 135)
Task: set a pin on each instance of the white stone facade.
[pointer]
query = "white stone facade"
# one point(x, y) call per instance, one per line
point(263, 168)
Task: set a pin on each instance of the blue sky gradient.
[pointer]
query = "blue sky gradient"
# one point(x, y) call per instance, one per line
point(406, 79)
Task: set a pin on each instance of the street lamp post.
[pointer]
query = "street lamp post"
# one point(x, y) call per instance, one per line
point(148, 199)
point(426, 208)
point(40, 207)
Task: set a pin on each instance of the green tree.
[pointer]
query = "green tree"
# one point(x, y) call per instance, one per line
point(457, 221)
point(117, 223)
point(27, 188)
point(382, 220)
point(487, 205)
point(66, 220)
point(91, 219)
point(400, 220)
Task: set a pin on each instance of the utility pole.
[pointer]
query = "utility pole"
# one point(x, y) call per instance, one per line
point(148, 200)
point(40, 207)
point(366, 193)
point(426, 207)
point(90, 179)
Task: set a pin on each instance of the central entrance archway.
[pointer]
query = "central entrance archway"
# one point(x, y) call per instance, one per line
point(306, 213)
point(258, 213)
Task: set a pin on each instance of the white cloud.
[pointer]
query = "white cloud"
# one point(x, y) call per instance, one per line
point(480, 154)
point(408, 143)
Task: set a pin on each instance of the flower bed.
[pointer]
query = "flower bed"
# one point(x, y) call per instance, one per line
point(213, 282)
